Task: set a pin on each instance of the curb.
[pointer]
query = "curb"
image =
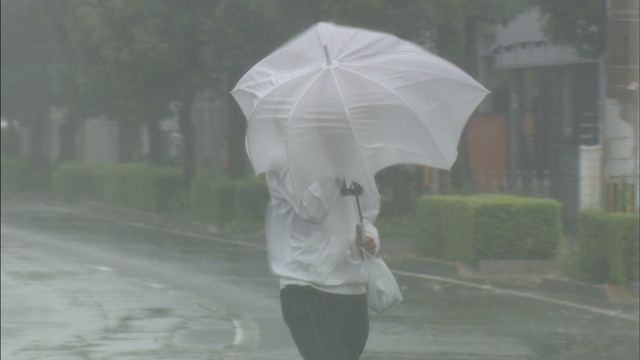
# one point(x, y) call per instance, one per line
point(597, 292)
point(425, 265)
point(534, 275)
point(495, 270)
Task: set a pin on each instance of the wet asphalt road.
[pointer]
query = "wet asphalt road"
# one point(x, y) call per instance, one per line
point(79, 287)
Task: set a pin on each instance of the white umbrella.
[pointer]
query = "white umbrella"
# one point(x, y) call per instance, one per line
point(344, 102)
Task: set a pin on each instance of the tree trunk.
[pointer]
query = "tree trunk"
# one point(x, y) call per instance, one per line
point(37, 158)
point(68, 136)
point(156, 148)
point(461, 175)
point(237, 155)
point(188, 137)
point(128, 143)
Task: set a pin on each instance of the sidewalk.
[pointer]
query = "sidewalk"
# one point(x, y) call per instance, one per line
point(528, 275)
point(404, 255)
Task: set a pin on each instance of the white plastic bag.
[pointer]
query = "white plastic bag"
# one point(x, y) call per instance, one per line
point(382, 289)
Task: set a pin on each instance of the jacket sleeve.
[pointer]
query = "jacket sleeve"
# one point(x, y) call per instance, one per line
point(316, 201)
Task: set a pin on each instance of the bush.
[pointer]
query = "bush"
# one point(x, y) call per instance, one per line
point(73, 182)
point(223, 201)
point(219, 199)
point(397, 186)
point(13, 175)
point(18, 176)
point(140, 186)
point(445, 226)
point(607, 247)
point(200, 195)
point(251, 198)
point(489, 227)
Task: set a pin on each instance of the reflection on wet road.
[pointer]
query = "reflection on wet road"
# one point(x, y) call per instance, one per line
point(86, 288)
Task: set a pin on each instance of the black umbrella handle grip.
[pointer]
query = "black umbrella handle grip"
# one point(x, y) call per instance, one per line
point(355, 189)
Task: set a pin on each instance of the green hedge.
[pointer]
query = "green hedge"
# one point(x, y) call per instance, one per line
point(75, 182)
point(607, 247)
point(13, 175)
point(489, 227)
point(211, 197)
point(18, 176)
point(220, 199)
point(251, 197)
point(139, 186)
point(200, 199)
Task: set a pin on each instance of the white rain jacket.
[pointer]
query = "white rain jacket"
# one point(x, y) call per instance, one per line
point(313, 243)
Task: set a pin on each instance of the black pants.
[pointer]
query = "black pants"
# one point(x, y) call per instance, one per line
point(325, 326)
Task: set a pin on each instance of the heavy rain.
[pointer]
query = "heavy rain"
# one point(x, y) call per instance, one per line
point(487, 151)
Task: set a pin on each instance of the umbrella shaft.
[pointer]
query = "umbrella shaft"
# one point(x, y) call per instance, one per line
point(326, 55)
point(359, 209)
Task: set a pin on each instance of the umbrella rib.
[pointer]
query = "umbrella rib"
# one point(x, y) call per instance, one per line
point(274, 88)
point(474, 84)
point(405, 103)
point(293, 110)
point(293, 76)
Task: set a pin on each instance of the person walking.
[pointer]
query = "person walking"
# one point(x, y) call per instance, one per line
point(315, 248)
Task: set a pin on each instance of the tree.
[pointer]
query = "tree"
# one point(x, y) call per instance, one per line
point(578, 23)
point(406, 19)
point(140, 57)
point(26, 58)
point(241, 34)
point(458, 27)
point(452, 29)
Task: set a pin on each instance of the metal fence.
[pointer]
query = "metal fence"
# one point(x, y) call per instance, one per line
point(523, 183)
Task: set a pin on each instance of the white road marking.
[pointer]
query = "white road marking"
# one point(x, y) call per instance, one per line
point(102, 268)
point(593, 309)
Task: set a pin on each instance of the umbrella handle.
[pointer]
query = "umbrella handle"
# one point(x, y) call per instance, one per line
point(359, 210)
point(355, 190)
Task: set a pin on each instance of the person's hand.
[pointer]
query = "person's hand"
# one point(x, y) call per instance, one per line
point(367, 243)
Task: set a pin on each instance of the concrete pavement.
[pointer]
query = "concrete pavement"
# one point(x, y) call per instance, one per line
point(58, 309)
point(445, 312)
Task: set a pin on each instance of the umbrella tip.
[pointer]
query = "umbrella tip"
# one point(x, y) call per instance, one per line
point(326, 55)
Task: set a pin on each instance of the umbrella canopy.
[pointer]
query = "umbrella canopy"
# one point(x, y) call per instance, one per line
point(344, 102)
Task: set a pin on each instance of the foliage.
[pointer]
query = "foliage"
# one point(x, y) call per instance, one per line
point(147, 53)
point(13, 175)
point(398, 187)
point(10, 141)
point(130, 60)
point(75, 182)
point(27, 62)
point(200, 195)
point(607, 246)
point(251, 197)
point(578, 23)
point(398, 227)
point(140, 186)
point(218, 199)
point(26, 58)
point(19, 176)
point(482, 227)
point(446, 231)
